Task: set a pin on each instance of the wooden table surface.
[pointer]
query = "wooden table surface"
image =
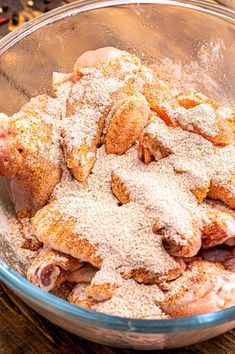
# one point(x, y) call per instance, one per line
point(22, 331)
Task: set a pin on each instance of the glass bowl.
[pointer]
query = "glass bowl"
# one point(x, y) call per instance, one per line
point(192, 34)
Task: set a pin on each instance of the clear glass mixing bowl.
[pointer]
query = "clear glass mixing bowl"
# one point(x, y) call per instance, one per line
point(193, 33)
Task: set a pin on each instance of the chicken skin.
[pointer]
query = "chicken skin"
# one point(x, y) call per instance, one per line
point(218, 225)
point(30, 155)
point(204, 287)
point(223, 255)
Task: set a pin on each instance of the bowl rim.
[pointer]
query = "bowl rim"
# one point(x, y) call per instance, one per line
point(39, 297)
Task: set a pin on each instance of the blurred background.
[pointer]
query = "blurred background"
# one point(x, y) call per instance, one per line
point(14, 13)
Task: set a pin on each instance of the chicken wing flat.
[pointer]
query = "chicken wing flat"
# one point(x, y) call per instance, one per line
point(102, 234)
point(211, 168)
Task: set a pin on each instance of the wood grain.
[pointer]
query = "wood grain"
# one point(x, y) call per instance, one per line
point(25, 332)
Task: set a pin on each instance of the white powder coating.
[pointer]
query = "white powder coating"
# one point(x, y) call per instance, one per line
point(108, 275)
point(98, 90)
point(202, 117)
point(226, 112)
point(197, 157)
point(80, 128)
point(94, 89)
point(122, 235)
point(89, 99)
point(99, 182)
point(131, 300)
point(166, 201)
point(39, 126)
point(134, 300)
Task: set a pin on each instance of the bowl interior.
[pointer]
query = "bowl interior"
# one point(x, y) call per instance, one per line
point(197, 46)
point(192, 45)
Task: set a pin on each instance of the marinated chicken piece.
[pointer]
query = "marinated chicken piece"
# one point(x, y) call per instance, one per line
point(97, 233)
point(171, 209)
point(225, 256)
point(78, 296)
point(195, 112)
point(204, 287)
point(162, 140)
point(31, 155)
point(203, 120)
point(218, 225)
point(160, 99)
point(131, 300)
point(153, 144)
point(106, 93)
point(80, 157)
point(193, 99)
point(127, 124)
point(107, 280)
point(161, 197)
point(93, 58)
point(104, 283)
point(209, 169)
point(83, 274)
point(51, 268)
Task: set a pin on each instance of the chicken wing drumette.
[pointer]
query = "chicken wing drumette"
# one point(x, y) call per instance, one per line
point(30, 154)
point(51, 268)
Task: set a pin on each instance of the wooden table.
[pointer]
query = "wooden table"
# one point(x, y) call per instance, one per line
point(23, 331)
